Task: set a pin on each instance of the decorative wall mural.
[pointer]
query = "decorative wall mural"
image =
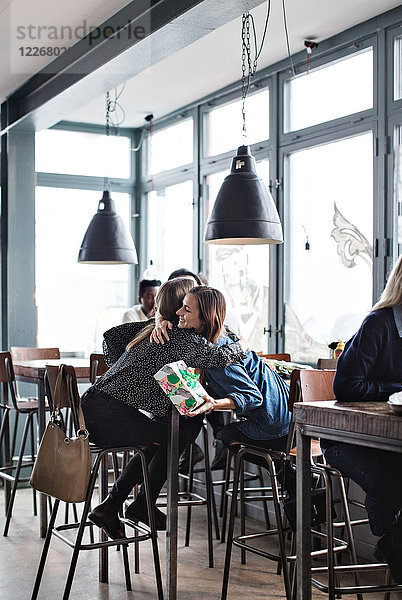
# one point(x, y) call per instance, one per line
point(351, 243)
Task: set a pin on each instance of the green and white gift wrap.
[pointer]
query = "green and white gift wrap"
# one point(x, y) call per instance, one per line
point(181, 385)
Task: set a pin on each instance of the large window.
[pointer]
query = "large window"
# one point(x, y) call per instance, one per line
point(398, 68)
point(82, 153)
point(76, 303)
point(241, 273)
point(398, 187)
point(171, 147)
point(170, 228)
point(329, 254)
point(223, 125)
point(341, 88)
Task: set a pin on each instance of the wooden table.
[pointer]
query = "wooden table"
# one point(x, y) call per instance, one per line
point(370, 424)
point(33, 371)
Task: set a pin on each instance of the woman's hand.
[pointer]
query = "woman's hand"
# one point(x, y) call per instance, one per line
point(160, 333)
point(208, 404)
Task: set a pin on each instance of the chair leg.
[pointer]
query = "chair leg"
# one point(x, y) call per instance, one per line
point(126, 567)
point(189, 489)
point(224, 499)
point(136, 545)
point(17, 472)
point(226, 478)
point(242, 513)
point(45, 550)
point(14, 438)
point(81, 528)
point(228, 555)
point(5, 437)
point(209, 493)
point(151, 517)
point(33, 437)
point(330, 537)
point(349, 532)
point(264, 504)
point(280, 532)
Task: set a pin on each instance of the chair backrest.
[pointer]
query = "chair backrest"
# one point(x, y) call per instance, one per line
point(7, 378)
point(97, 366)
point(294, 388)
point(21, 353)
point(308, 385)
point(283, 356)
point(327, 363)
point(316, 385)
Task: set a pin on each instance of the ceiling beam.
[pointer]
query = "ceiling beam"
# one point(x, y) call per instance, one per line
point(140, 35)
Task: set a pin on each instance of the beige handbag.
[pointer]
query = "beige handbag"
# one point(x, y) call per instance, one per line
point(63, 464)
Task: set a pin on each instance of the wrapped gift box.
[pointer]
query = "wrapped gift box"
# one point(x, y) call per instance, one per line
point(181, 385)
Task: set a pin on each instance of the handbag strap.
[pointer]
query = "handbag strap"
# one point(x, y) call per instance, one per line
point(82, 430)
point(66, 395)
point(60, 393)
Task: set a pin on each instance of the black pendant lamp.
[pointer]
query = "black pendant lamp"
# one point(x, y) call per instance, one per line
point(107, 241)
point(244, 211)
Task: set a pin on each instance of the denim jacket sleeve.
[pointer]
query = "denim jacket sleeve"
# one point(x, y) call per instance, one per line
point(234, 382)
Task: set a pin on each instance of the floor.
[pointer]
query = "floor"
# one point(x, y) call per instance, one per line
point(19, 556)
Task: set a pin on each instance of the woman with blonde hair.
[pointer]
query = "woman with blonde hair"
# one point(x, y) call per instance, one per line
point(117, 407)
point(370, 370)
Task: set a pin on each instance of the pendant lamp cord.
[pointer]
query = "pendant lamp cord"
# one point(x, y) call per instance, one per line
point(106, 185)
point(250, 57)
point(112, 108)
point(285, 24)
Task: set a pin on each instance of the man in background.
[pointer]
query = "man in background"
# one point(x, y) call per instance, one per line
point(147, 290)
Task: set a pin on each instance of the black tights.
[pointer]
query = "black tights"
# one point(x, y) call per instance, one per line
point(112, 424)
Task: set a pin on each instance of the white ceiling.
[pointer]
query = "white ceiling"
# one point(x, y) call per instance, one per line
point(192, 73)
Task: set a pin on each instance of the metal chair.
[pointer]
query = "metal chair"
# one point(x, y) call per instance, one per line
point(243, 541)
point(97, 366)
point(248, 494)
point(12, 403)
point(317, 385)
point(100, 467)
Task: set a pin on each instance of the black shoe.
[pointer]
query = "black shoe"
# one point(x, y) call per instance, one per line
point(106, 517)
point(221, 453)
point(389, 549)
point(184, 460)
point(137, 511)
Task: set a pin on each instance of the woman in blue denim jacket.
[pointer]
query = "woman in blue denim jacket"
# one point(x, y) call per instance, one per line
point(248, 387)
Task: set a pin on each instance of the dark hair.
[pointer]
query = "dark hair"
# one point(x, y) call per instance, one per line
point(168, 300)
point(144, 283)
point(170, 297)
point(212, 307)
point(184, 273)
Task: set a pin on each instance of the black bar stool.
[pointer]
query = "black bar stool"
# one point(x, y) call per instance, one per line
point(100, 467)
point(10, 472)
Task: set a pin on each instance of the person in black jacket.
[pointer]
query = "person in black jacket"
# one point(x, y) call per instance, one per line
point(369, 370)
point(127, 407)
